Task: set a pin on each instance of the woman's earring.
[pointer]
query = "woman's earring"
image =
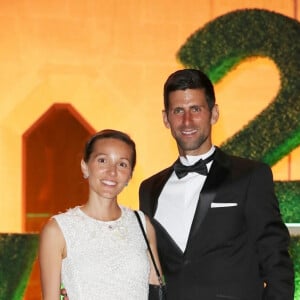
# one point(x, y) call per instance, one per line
point(85, 176)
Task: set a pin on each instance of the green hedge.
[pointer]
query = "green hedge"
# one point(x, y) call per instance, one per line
point(288, 193)
point(226, 41)
point(220, 46)
point(17, 254)
point(295, 253)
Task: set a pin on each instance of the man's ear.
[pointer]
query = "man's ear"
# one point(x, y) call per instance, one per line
point(165, 119)
point(84, 169)
point(214, 114)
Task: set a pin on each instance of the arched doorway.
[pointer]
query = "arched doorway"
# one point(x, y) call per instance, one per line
point(52, 179)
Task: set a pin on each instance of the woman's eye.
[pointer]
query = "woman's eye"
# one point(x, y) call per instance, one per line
point(101, 160)
point(123, 165)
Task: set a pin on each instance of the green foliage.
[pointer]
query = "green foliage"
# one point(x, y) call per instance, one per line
point(288, 193)
point(223, 43)
point(17, 254)
point(220, 46)
point(295, 253)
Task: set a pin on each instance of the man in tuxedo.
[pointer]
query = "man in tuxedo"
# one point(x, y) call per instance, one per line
point(219, 230)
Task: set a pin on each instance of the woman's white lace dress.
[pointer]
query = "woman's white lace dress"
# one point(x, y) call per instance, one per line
point(105, 260)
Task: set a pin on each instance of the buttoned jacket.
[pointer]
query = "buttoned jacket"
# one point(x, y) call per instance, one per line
point(237, 242)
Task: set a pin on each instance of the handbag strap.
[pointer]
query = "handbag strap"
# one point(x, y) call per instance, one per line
point(149, 248)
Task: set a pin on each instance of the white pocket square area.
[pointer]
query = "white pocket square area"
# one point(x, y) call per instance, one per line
point(219, 204)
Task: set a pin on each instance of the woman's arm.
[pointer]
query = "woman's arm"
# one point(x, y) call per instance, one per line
point(52, 249)
point(152, 241)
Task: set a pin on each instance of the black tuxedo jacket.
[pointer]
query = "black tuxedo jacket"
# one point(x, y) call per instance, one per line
point(231, 250)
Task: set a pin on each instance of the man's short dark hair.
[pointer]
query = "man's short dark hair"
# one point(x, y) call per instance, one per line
point(189, 79)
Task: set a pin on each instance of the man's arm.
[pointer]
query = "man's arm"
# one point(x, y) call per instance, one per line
point(270, 236)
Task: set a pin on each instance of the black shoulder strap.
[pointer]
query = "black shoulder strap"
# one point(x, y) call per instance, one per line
point(149, 248)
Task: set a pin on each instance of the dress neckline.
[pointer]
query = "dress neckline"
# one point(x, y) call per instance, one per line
point(81, 212)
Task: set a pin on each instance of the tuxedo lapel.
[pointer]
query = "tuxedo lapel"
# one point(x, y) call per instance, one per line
point(157, 188)
point(217, 174)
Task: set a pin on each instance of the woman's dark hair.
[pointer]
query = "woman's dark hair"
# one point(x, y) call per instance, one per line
point(113, 134)
point(189, 79)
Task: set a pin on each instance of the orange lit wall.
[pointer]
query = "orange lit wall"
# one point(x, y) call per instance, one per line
point(109, 59)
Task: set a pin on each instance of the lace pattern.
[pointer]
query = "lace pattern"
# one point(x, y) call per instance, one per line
point(105, 260)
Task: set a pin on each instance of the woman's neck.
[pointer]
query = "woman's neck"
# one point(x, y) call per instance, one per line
point(102, 211)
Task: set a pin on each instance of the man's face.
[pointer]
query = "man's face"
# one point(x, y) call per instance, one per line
point(190, 121)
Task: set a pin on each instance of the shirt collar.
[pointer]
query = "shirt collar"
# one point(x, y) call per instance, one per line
point(191, 159)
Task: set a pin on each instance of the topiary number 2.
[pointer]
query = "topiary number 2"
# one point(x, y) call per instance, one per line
point(222, 44)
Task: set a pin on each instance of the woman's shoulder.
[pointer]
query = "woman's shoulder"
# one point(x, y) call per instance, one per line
point(129, 211)
point(50, 228)
point(71, 216)
point(73, 211)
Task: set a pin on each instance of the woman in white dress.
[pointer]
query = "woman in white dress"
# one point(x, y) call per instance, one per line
point(97, 250)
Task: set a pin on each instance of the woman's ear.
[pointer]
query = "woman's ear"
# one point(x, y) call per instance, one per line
point(214, 114)
point(84, 169)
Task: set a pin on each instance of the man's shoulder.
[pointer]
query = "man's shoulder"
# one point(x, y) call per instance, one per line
point(159, 175)
point(238, 162)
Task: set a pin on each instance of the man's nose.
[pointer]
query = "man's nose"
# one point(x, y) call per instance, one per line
point(186, 118)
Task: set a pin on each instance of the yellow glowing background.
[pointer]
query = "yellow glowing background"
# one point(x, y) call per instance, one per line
point(109, 59)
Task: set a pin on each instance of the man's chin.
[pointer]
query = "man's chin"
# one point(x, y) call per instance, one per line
point(188, 148)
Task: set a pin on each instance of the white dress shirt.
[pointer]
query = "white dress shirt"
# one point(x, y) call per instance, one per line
point(178, 201)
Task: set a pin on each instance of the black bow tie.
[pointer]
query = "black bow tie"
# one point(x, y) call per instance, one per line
point(199, 167)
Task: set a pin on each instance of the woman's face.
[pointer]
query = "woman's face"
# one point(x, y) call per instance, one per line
point(109, 168)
